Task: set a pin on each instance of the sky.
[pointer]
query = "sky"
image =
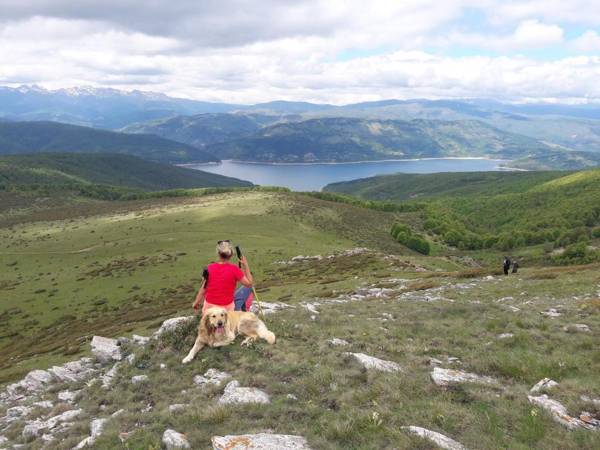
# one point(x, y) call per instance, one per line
point(326, 51)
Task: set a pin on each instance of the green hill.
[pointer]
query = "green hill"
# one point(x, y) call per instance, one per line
point(347, 139)
point(406, 186)
point(104, 168)
point(501, 210)
point(35, 137)
point(203, 129)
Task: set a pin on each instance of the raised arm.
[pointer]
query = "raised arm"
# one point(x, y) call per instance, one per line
point(247, 280)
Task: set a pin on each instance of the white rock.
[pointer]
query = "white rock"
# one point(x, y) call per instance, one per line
point(211, 377)
point(268, 307)
point(581, 327)
point(543, 385)
point(261, 441)
point(163, 366)
point(234, 394)
point(36, 427)
point(172, 324)
point(291, 397)
point(177, 407)
point(505, 336)
point(551, 313)
point(594, 401)
point(131, 359)
point(336, 341)
point(138, 379)
point(559, 412)
point(437, 438)
point(370, 362)
point(68, 396)
point(140, 340)
point(106, 349)
point(172, 439)
point(16, 412)
point(74, 371)
point(311, 307)
point(96, 428)
point(34, 382)
point(47, 404)
point(435, 362)
point(445, 377)
point(109, 376)
point(3, 440)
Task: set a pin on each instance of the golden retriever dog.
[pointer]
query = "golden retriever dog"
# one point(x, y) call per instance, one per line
point(219, 327)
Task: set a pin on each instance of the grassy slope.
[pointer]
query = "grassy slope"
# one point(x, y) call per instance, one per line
point(124, 272)
point(35, 137)
point(404, 186)
point(104, 168)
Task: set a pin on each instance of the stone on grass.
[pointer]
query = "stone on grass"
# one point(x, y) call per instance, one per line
point(593, 401)
point(68, 396)
point(370, 362)
point(505, 336)
point(177, 407)
point(109, 376)
point(261, 441)
point(36, 428)
point(543, 385)
point(172, 324)
point(96, 428)
point(131, 359)
point(74, 371)
point(34, 382)
point(211, 377)
point(234, 394)
point(139, 379)
point(445, 377)
point(3, 440)
point(559, 413)
point(336, 341)
point(140, 340)
point(106, 349)
point(552, 312)
point(172, 439)
point(47, 404)
point(578, 327)
point(437, 438)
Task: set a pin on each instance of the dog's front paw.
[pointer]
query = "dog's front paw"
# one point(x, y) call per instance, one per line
point(186, 360)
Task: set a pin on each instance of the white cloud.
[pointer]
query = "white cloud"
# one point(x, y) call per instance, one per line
point(227, 51)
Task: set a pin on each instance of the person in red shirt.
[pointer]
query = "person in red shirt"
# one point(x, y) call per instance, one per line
point(221, 278)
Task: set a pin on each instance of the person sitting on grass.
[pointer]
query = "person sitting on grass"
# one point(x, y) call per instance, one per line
point(221, 278)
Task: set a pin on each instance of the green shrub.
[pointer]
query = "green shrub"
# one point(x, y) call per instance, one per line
point(403, 234)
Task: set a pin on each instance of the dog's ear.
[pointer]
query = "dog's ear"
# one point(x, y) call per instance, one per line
point(205, 325)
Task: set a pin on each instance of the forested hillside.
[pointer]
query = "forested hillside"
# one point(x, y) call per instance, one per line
point(56, 169)
point(35, 137)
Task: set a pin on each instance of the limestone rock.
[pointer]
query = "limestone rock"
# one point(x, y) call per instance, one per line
point(140, 340)
point(36, 427)
point(172, 324)
point(261, 441)
point(551, 313)
point(336, 341)
point(437, 438)
point(445, 377)
point(177, 407)
point(96, 428)
point(109, 376)
point(578, 327)
point(370, 362)
point(139, 379)
point(47, 404)
point(74, 371)
point(543, 385)
point(34, 382)
point(505, 336)
point(559, 413)
point(234, 394)
point(106, 349)
point(268, 307)
point(172, 439)
point(211, 377)
point(68, 396)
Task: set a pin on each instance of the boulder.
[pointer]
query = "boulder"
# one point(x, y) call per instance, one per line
point(370, 362)
point(172, 439)
point(106, 349)
point(34, 382)
point(234, 394)
point(437, 438)
point(578, 327)
point(36, 428)
point(211, 377)
point(96, 428)
point(177, 407)
point(559, 413)
point(445, 377)
point(74, 371)
point(261, 441)
point(172, 324)
point(543, 385)
point(552, 312)
point(109, 376)
point(68, 396)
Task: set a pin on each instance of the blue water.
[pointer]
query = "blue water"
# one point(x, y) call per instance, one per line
point(313, 177)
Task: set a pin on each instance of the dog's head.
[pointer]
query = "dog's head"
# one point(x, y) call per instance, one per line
point(214, 320)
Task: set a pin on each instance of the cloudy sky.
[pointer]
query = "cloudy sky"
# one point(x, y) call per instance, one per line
point(316, 50)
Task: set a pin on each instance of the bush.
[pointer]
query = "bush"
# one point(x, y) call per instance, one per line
point(403, 234)
point(596, 232)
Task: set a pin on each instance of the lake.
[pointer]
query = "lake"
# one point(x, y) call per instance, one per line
point(313, 177)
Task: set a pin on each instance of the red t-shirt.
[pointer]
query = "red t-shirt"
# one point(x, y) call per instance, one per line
point(222, 279)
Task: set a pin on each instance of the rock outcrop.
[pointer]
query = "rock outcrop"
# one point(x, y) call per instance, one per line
point(446, 377)
point(234, 394)
point(437, 438)
point(106, 349)
point(370, 362)
point(172, 439)
point(261, 441)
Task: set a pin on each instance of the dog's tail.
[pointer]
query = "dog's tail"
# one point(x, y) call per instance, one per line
point(264, 333)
